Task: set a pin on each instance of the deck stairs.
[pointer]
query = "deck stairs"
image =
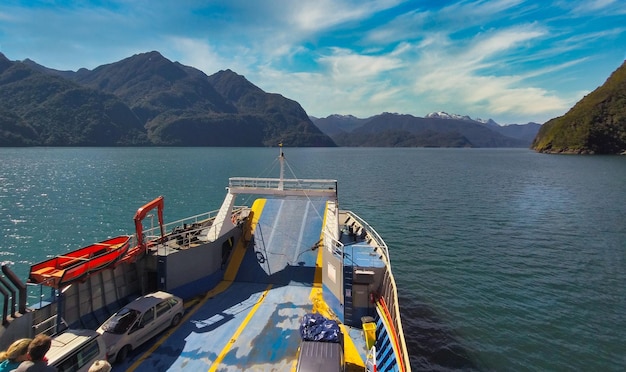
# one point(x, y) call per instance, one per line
point(347, 288)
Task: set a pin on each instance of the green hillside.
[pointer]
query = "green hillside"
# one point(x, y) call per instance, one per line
point(37, 109)
point(144, 99)
point(595, 125)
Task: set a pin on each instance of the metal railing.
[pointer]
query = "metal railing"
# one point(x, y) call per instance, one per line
point(187, 230)
point(376, 240)
point(50, 326)
point(283, 184)
point(39, 295)
point(390, 295)
point(388, 288)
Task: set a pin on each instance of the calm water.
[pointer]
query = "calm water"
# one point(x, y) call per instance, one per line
point(505, 259)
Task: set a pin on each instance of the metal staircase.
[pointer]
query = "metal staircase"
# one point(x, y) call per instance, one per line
point(347, 291)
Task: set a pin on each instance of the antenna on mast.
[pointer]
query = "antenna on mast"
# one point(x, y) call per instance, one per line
point(281, 159)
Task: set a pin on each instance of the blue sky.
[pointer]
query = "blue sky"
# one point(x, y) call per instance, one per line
point(511, 60)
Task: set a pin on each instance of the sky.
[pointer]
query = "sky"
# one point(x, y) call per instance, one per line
point(513, 61)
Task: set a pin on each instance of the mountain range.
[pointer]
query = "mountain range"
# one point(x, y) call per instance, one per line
point(144, 100)
point(437, 129)
point(147, 100)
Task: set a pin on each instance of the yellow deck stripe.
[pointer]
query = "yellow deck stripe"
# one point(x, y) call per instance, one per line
point(235, 261)
point(220, 287)
point(229, 276)
point(243, 325)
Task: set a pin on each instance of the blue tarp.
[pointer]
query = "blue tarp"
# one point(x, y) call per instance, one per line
point(314, 327)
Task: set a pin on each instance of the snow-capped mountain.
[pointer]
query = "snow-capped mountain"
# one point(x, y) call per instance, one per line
point(437, 129)
point(342, 117)
point(445, 115)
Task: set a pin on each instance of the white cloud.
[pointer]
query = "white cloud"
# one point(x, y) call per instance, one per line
point(584, 7)
point(324, 93)
point(462, 77)
point(420, 23)
point(589, 39)
point(500, 57)
point(203, 56)
point(488, 45)
point(278, 29)
point(6, 17)
point(347, 66)
point(477, 11)
point(419, 78)
point(550, 69)
point(316, 15)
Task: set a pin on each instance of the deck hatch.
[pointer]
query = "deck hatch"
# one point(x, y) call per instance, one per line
point(320, 356)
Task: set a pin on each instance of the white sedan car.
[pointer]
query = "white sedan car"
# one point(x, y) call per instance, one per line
point(138, 322)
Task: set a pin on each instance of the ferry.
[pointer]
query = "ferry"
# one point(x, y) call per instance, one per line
point(290, 282)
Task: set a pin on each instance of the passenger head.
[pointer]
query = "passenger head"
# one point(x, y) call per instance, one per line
point(39, 346)
point(17, 352)
point(100, 366)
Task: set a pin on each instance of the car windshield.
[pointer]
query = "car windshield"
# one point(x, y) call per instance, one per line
point(121, 322)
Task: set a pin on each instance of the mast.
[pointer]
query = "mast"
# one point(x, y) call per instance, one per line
point(282, 186)
point(281, 159)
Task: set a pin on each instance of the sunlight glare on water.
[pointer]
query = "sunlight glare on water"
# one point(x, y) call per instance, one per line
point(505, 259)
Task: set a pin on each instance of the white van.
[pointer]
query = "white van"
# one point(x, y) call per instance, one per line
point(75, 350)
point(139, 321)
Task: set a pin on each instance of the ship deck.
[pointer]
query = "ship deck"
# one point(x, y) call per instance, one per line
point(250, 321)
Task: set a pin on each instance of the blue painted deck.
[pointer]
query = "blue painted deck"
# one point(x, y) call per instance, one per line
point(254, 323)
point(270, 337)
point(362, 254)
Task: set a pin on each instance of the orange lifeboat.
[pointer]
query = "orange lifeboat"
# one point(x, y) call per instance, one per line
point(74, 266)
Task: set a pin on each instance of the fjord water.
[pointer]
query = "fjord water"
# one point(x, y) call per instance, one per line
point(505, 259)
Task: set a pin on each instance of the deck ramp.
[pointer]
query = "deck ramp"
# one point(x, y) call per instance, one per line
point(286, 242)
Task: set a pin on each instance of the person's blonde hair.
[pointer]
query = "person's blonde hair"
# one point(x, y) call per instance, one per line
point(17, 349)
point(100, 366)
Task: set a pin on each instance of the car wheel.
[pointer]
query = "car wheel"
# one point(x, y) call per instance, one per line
point(176, 320)
point(122, 354)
